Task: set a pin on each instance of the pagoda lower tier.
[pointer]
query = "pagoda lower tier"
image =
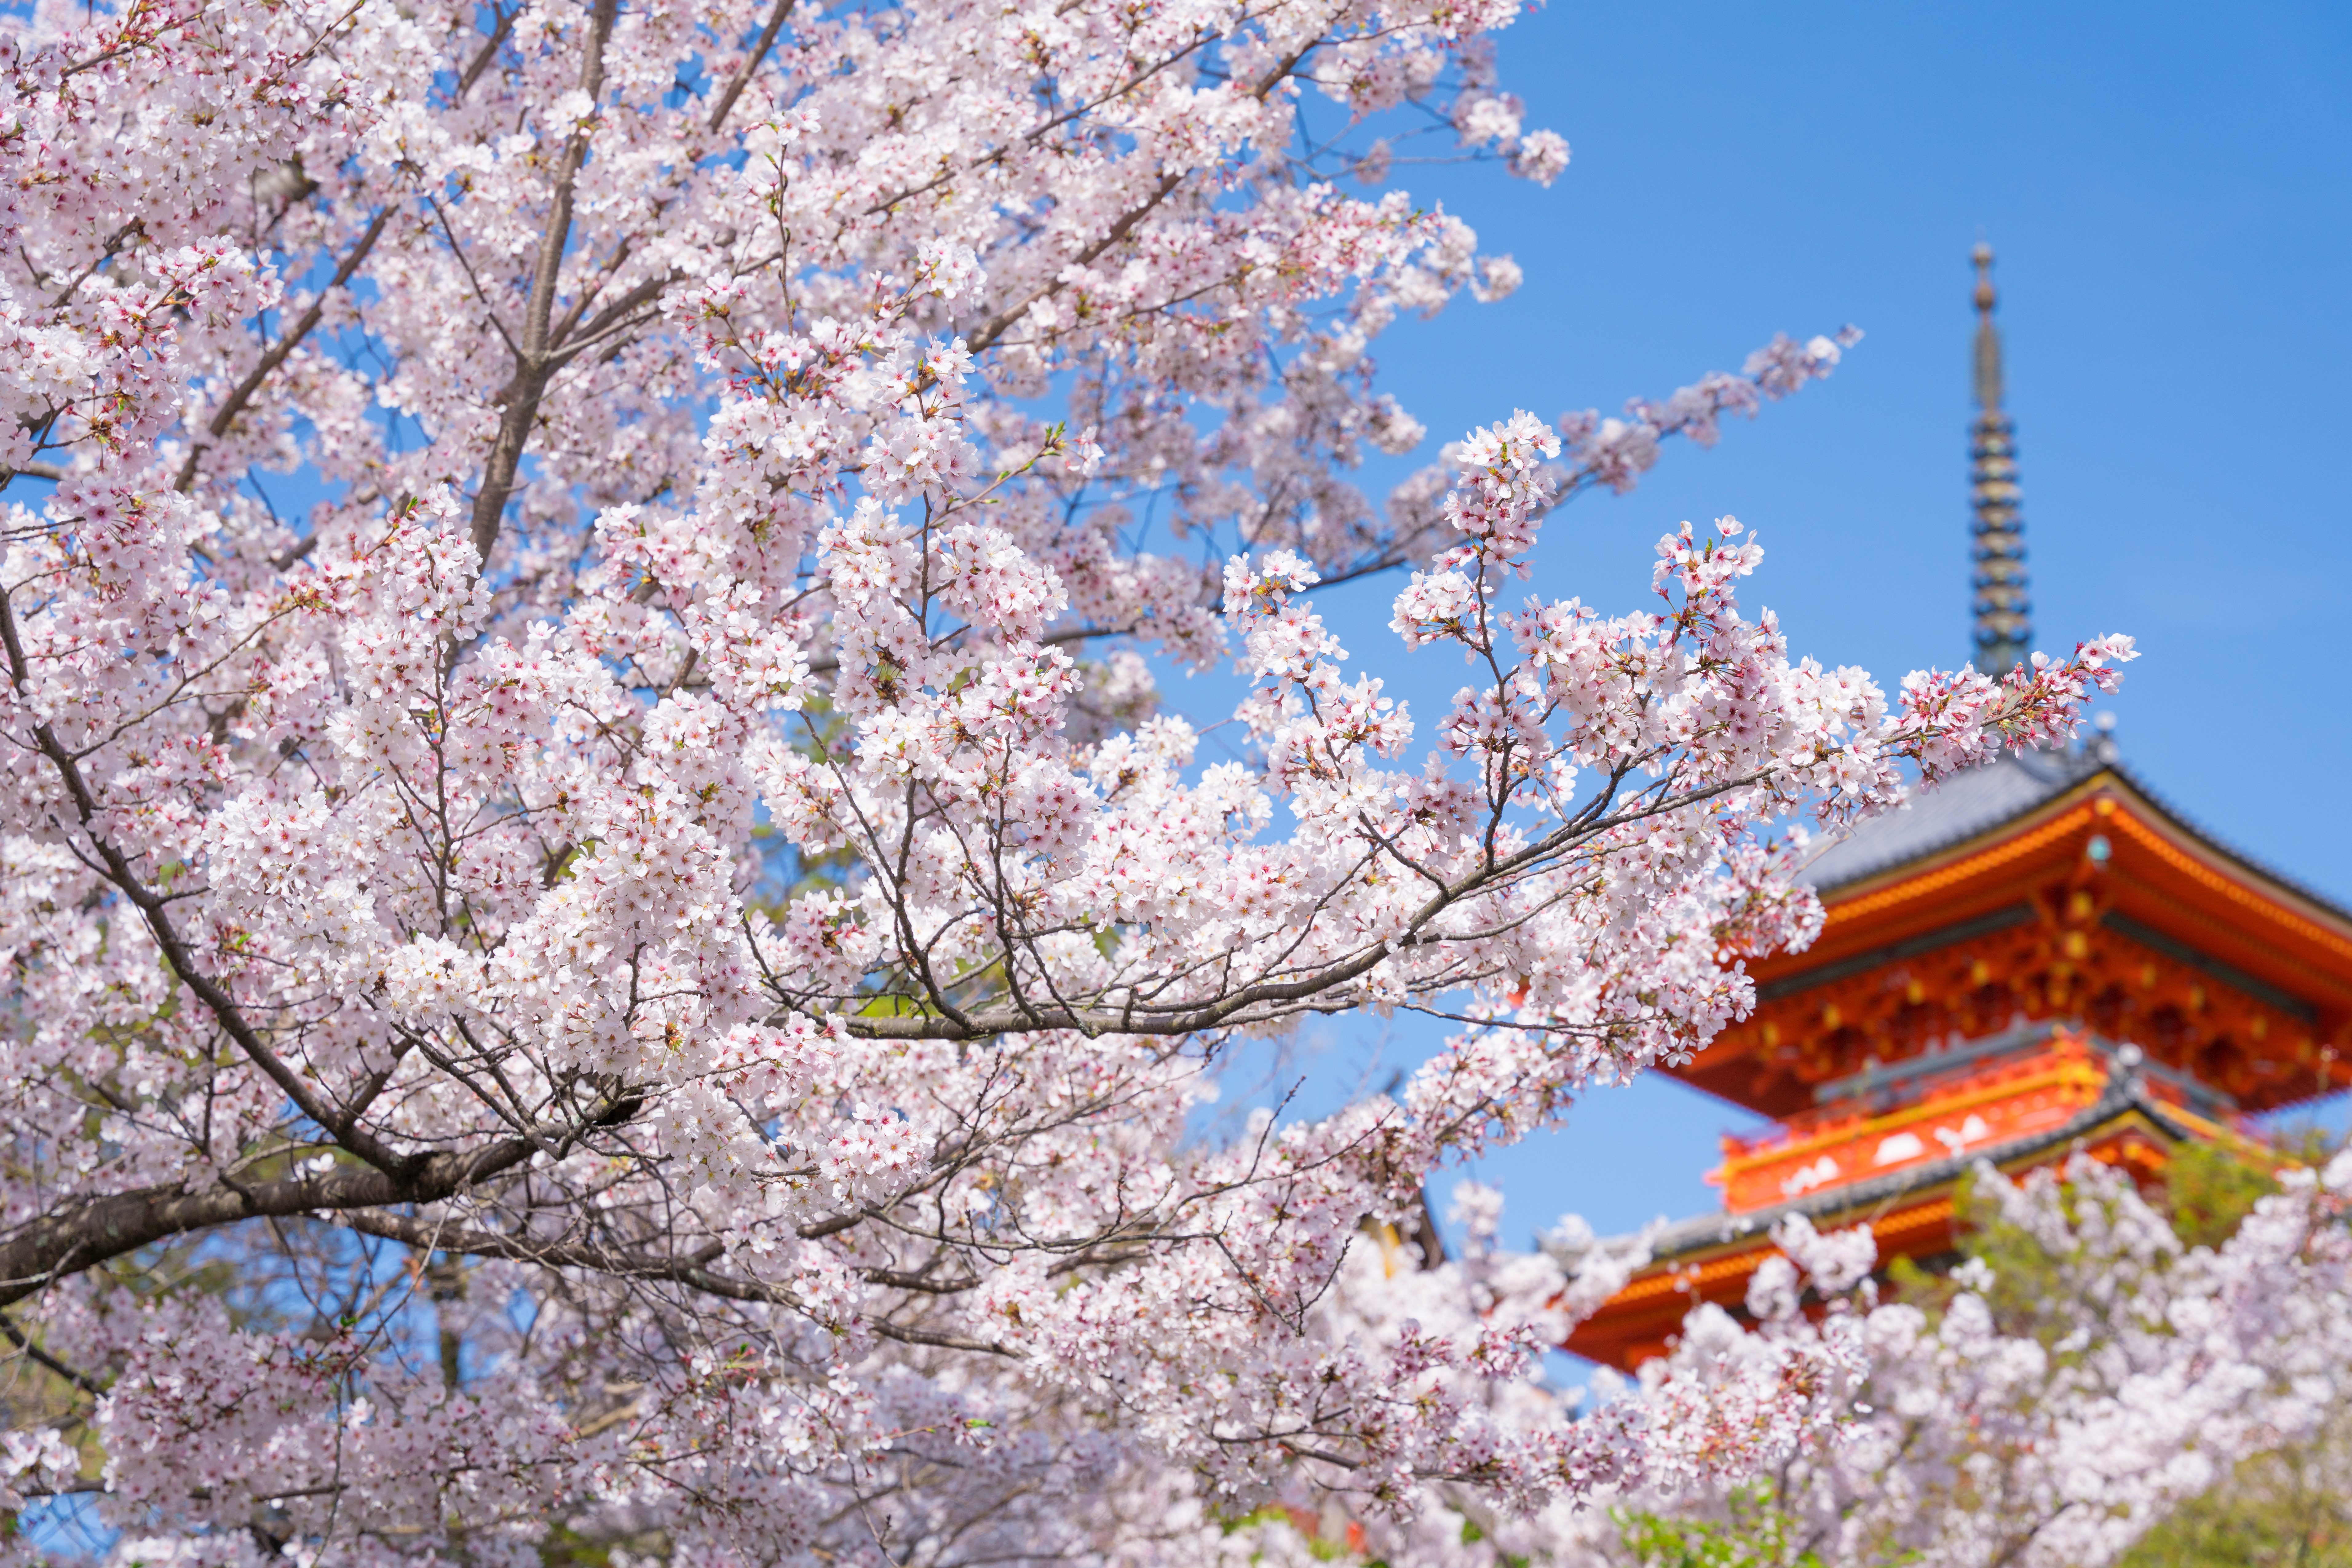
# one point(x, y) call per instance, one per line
point(1965, 1100)
point(2036, 959)
point(1891, 1152)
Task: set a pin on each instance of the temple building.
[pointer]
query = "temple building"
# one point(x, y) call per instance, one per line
point(2039, 957)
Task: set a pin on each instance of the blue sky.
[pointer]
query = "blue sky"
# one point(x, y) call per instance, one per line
point(2167, 189)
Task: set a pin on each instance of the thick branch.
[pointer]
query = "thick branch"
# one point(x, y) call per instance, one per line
point(489, 52)
point(743, 73)
point(85, 1234)
point(533, 365)
point(986, 337)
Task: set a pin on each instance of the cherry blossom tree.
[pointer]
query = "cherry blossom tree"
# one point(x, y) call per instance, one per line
point(1971, 1437)
point(631, 976)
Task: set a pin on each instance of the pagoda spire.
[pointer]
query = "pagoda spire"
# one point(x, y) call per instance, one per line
point(2003, 632)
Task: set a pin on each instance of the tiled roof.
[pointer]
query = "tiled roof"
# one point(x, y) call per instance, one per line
point(2007, 787)
point(1961, 807)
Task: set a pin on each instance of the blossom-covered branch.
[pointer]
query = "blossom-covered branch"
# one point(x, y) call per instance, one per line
point(632, 974)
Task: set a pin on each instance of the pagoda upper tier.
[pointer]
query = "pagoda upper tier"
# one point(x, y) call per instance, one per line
point(2047, 886)
point(2038, 959)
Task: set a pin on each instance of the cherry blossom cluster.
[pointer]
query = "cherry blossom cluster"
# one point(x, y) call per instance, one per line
point(2150, 1368)
point(608, 951)
point(1617, 452)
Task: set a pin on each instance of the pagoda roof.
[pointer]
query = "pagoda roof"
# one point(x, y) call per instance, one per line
point(1912, 1213)
point(2047, 885)
point(2040, 957)
point(2011, 786)
point(2127, 1097)
point(1964, 805)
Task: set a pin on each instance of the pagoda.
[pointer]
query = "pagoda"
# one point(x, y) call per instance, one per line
point(2037, 958)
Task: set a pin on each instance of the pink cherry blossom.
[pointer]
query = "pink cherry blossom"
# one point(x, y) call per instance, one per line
point(1961, 1445)
point(605, 941)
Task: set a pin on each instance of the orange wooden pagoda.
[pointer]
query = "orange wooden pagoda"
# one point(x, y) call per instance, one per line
point(2037, 958)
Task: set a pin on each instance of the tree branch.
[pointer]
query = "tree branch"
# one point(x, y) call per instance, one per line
point(242, 394)
point(752, 62)
point(90, 1231)
point(529, 385)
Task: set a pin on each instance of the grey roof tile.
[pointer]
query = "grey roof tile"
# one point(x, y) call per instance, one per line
point(2009, 786)
point(1961, 807)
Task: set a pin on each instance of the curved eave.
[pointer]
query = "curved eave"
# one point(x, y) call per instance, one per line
point(2165, 872)
point(1911, 1214)
point(2125, 1108)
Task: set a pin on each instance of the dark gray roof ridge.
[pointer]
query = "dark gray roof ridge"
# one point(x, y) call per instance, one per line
point(1968, 803)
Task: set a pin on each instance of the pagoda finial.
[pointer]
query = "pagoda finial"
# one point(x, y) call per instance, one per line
point(1988, 335)
point(2002, 628)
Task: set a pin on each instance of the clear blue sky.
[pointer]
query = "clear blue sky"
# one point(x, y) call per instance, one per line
point(2167, 191)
